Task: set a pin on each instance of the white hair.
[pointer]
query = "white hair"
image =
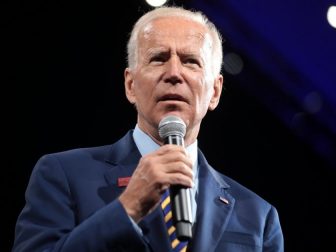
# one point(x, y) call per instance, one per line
point(174, 11)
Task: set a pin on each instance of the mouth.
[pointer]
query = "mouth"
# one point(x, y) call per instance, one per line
point(172, 97)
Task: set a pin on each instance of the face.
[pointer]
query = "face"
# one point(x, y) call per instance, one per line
point(173, 75)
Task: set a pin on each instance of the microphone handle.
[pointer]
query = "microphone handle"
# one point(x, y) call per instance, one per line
point(180, 201)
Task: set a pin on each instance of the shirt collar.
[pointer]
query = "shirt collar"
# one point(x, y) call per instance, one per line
point(147, 145)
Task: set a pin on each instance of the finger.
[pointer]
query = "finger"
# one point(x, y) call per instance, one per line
point(179, 179)
point(179, 167)
point(164, 149)
point(175, 155)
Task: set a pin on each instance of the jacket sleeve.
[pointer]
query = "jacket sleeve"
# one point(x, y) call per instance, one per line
point(273, 236)
point(48, 220)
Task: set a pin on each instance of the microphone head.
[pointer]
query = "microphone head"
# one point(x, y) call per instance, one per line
point(171, 125)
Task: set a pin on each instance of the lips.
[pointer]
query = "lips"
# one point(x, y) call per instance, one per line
point(172, 97)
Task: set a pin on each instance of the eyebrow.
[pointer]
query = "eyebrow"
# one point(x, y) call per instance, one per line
point(162, 50)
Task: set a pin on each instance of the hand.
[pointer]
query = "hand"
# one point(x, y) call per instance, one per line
point(156, 172)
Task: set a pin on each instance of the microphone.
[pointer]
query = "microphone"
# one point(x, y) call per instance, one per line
point(172, 130)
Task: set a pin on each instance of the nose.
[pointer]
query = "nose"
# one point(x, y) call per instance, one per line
point(173, 71)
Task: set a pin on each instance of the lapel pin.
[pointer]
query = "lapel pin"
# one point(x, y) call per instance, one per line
point(123, 181)
point(222, 199)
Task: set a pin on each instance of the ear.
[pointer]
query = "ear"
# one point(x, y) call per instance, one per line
point(129, 85)
point(217, 90)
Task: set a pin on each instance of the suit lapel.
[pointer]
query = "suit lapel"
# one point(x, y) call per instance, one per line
point(214, 207)
point(124, 157)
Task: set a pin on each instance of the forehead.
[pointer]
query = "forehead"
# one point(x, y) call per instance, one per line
point(167, 29)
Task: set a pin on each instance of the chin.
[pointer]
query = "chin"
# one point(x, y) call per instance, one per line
point(177, 114)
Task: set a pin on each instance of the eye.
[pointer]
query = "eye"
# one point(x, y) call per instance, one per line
point(192, 61)
point(159, 57)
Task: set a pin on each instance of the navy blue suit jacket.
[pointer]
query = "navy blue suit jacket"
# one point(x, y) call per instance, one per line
point(72, 205)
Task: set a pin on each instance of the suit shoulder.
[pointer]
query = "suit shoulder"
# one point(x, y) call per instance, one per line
point(86, 155)
point(93, 152)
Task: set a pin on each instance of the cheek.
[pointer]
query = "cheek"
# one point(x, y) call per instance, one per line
point(143, 90)
point(207, 86)
point(141, 93)
point(205, 95)
point(139, 86)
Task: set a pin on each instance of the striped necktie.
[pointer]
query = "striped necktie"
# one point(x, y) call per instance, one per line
point(178, 246)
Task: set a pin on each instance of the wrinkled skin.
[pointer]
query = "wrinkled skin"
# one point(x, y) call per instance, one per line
point(173, 76)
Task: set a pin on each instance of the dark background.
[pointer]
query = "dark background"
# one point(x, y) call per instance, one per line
point(63, 86)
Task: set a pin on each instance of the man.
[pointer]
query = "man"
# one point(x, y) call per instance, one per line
point(108, 198)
